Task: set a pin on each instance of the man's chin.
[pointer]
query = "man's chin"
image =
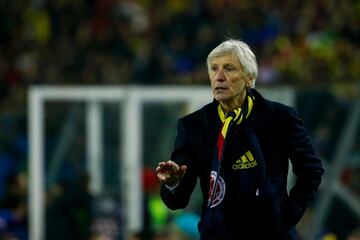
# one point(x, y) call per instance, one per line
point(220, 98)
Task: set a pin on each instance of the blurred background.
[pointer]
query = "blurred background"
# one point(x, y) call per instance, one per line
point(308, 49)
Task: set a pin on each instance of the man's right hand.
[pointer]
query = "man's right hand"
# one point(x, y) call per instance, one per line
point(170, 173)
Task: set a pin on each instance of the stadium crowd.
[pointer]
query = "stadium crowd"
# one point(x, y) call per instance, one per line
point(302, 43)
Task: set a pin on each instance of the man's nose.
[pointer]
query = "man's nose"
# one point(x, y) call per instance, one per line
point(220, 75)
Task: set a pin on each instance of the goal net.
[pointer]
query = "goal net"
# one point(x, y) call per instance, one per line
point(111, 133)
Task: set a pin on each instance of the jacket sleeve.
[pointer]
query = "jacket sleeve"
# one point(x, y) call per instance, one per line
point(306, 166)
point(178, 197)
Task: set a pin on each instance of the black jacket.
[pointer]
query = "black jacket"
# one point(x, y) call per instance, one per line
point(274, 212)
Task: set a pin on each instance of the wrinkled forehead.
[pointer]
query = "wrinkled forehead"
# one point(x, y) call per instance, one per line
point(228, 58)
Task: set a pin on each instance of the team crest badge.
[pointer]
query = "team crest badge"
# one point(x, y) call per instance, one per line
point(216, 193)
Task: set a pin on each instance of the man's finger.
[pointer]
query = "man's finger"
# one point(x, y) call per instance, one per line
point(181, 171)
point(167, 168)
point(183, 168)
point(161, 177)
point(161, 164)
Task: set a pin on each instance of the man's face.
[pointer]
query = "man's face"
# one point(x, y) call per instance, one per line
point(228, 81)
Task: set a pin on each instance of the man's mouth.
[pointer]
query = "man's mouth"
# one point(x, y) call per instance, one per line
point(220, 88)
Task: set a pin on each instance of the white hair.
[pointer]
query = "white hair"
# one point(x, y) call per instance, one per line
point(242, 52)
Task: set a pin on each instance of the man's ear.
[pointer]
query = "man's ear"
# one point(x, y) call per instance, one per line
point(249, 82)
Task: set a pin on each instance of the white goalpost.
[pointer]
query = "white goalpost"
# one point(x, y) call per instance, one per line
point(130, 100)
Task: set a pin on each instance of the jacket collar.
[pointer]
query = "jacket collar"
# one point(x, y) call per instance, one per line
point(259, 103)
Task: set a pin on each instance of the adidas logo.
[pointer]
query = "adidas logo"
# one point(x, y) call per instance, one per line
point(246, 161)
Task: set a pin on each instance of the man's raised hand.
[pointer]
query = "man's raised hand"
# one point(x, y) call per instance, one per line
point(170, 173)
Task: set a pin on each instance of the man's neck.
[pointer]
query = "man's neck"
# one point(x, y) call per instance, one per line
point(229, 106)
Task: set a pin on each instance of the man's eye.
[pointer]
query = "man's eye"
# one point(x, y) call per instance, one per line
point(229, 69)
point(213, 68)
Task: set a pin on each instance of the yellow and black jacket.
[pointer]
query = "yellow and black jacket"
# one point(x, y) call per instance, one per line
point(252, 206)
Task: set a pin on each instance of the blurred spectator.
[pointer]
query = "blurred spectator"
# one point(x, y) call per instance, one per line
point(13, 209)
point(329, 236)
point(296, 42)
point(156, 215)
point(354, 235)
point(69, 210)
point(8, 236)
point(106, 222)
point(186, 226)
point(351, 178)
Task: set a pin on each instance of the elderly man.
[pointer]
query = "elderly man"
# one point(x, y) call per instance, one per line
point(239, 146)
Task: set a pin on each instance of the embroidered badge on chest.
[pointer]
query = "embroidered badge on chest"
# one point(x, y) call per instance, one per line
point(216, 191)
point(246, 161)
